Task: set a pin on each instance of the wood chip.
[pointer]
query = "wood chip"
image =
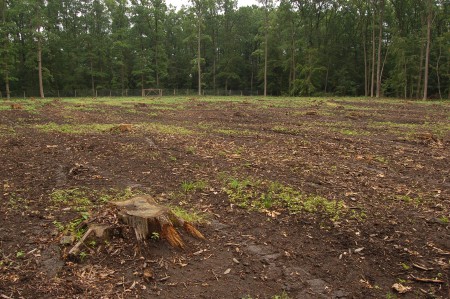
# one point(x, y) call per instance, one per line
point(227, 271)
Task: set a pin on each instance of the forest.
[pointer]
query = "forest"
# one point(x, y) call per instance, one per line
point(376, 48)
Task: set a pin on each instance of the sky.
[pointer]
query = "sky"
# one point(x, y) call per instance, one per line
point(178, 3)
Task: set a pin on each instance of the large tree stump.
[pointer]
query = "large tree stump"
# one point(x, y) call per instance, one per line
point(146, 217)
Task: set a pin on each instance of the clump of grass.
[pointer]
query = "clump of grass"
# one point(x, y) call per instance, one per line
point(285, 130)
point(193, 186)
point(192, 217)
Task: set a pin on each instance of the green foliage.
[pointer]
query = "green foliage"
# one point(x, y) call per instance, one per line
point(262, 195)
point(74, 128)
point(155, 236)
point(82, 199)
point(193, 186)
point(20, 254)
point(193, 217)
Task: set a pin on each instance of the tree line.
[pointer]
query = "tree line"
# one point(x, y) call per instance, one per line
point(395, 48)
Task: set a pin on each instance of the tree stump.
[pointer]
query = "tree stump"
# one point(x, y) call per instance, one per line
point(146, 217)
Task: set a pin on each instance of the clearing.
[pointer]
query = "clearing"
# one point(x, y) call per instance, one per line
point(296, 197)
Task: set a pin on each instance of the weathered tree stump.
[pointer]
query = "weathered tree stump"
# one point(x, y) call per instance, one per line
point(146, 217)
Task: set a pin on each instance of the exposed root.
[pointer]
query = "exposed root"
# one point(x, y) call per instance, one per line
point(190, 229)
point(169, 233)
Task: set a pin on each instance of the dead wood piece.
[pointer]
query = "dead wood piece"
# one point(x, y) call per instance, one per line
point(420, 267)
point(16, 106)
point(429, 280)
point(122, 128)
point(99, 231)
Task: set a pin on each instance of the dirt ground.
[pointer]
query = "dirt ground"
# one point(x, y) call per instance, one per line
point(299, 198)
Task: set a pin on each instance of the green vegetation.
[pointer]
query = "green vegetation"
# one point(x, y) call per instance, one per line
point(74, 227)
point(262, 195)
point(20, 254)
point(193, 186)
point(235, 132)
point(100, 128)
point(283, 295)
point(193, 217)
point(406, 198)
point(82, 199)
point(165, 129)
point(75, 128)
point(76, 198)
point(443, 220)
point(15, 201)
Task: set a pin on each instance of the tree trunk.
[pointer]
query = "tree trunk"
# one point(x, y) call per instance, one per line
point(380, 42)
point(292, 75)
point(199, 57)
point(266, 39)
point(366, 71)
point(6, 66)
point(92, 80)
point(372, 80)
point(157, 49)
point(437, 72)
point(265, 62)
point(419, 79)
point(427, 52)
point(41, 84)
point(8, 92)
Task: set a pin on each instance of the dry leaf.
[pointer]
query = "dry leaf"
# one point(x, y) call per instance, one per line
point(401, 289)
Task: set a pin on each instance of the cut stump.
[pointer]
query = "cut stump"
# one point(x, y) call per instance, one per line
point(146, 217)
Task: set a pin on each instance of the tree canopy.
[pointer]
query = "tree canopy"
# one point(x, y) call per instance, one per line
point(397, 48)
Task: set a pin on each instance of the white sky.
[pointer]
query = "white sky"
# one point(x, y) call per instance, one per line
point(178, 3)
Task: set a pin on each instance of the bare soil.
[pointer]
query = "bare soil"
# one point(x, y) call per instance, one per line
point(386, 161)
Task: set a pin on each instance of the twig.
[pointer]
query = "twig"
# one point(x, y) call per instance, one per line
point(430, 280)
point(422, 267)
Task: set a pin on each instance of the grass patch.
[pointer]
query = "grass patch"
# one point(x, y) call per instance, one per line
point(192, 217)
point(166, 129)
point(193, 186)
point(73, 227)
point(231, 132)
point(75, 128)
point(83, 199)
point(285, 130)
point(262, 195)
